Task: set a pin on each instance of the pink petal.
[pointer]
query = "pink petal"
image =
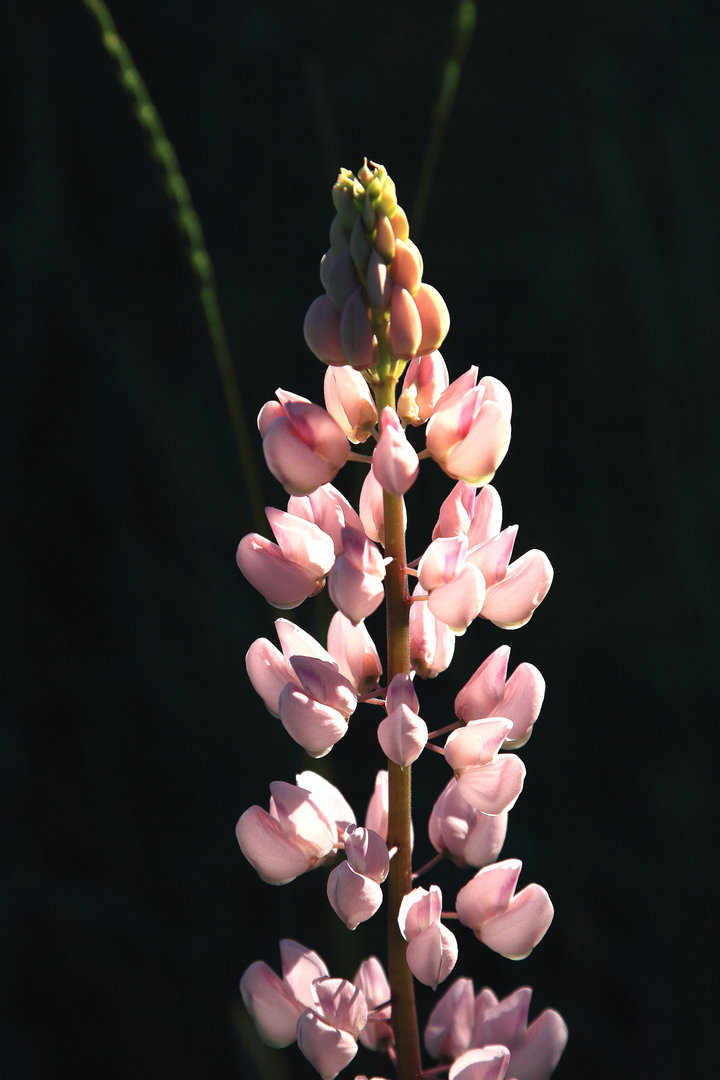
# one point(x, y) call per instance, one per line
point(301, 542)
point(469, 837)
point(328, 509)
point(322, 680)
point(296, 465)
point(355, 653)
point(372, 980)
point(487, 1063)
point(376, 817)
point(316, 727)
point(327, 1049)
point(492, 788)
point(284, 584)
point(487, 516)
point(294, 641)
point(342, 1004)
point(271, 1004)
point(492, 556)
point(442, 560)
point(371, 508)
point(352, 895)
point(485, 689)
point(403, 736)
point(356, 593)
point(449, 1027)
point(460, 601)
point(394, 461)
point(456, 512)
point(269, 672)
point(321, 329)
point(401, 692)
point(276, 857)
point(515, 933)
point(300, 968)
point(511, 602)
point(405, 329)
point(477, 743)
point(521, 703)
point(432, 955)
point(542, 1048)
point(488, 893)
point(476, 457)
point(302, 820)
point(434, 319)
point(367, 853)
point(506, 1021)
point(432, 643)
point(327, 798)
point(350, 403)
point(419, 909)
point(356, 334)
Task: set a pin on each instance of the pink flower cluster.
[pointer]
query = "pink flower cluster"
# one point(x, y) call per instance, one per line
point(374, 317)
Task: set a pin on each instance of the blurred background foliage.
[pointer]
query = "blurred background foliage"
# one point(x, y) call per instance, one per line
point(573, 227)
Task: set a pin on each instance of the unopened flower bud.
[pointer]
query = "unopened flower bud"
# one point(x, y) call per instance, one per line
point(405, 328)
point(407, 266)
point(321, 330)
point(356, 333)
point(384, 238)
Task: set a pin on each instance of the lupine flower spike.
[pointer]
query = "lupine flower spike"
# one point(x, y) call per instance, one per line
point(378, 327)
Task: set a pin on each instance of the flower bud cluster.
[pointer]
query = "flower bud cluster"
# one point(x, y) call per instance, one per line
point(375, 316)
point(372, 277)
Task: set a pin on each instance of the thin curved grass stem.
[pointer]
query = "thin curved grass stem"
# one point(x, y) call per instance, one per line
point(190, 228)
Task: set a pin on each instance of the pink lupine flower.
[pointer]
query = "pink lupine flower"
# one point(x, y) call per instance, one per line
point(394, 461)
point(487, 1063)
point(464, 834)
point(290, 571)
point(355, 584)
point(355, 652)
point(455, 586)
point(403, 736)
point(328, 509)
point(292, 838)
point(327, 1033)
point(510, 603)
point(303, 445)
point(460, 1022)
point(275, 1003)
point(270, 670)
point(372, 980)
point(534, 1050)
point(488, 694)
point(508, 923)
point(468, 433)
point(432, 949)
point(353, 887)
point(515, 589)
point(487, 781)
point(350, 403)
point(354, 897)
point(432, 642)
point(426, 378)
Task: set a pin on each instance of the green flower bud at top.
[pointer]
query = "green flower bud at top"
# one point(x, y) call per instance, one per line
point(369, 217)
point(365, 174)
point(342, 196)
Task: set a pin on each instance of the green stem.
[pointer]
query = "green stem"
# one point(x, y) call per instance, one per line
point(397, 606)
point(189, 226)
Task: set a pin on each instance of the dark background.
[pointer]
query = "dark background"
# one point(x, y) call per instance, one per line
point(573, 228)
